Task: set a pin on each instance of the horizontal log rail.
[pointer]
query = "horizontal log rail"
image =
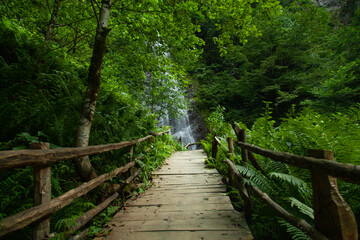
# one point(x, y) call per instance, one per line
point(26, 217)
point(20, 158)
point(281, 212)
point(333, 217)
point(41, 159)
point(192, 144)
point(346, 172)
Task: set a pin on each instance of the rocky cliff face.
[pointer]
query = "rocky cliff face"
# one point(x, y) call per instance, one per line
point(197, 123)
point(343, 9)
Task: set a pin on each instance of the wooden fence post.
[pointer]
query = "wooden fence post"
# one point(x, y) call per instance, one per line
point(244, 152)
point(333, 216)
point(214, 148)
point(131, 153)
point(230, 142)
point(241, 136)
point(42, 193)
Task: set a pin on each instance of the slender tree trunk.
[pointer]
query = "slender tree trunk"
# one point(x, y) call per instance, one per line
point(54, 14)
point(83, 165)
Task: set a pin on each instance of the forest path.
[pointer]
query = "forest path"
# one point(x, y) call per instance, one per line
point(187, 201)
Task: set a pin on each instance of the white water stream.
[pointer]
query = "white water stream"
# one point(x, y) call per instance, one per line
point(180, 127)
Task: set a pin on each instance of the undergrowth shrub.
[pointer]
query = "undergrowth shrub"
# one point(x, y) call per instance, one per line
point(289, 186)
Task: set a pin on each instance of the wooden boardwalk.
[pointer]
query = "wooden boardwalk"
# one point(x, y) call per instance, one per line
point(187, 201)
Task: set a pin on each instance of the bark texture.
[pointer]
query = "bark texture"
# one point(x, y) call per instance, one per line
point(83, 165)
point(50, 28)
point(26, 217)
point(281, 212)
point(347, 172)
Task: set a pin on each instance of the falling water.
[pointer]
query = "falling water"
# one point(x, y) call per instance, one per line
point(181, 128)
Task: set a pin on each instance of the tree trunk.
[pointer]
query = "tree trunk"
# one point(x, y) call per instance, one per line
point(54, 14)
point(83, 165)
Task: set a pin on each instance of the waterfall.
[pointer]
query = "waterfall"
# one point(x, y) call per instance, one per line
point(180, 127)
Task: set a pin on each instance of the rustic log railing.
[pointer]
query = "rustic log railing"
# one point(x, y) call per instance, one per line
point(192, 144)
point(333, 217)
point(44, 205)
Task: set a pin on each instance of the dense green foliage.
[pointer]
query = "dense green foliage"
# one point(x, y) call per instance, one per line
point(286, 185)
point(237, 53)
point(304, 57)
point(45, 51)
point(304, 69)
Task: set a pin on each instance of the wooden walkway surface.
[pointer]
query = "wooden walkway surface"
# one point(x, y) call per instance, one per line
point(187, 201)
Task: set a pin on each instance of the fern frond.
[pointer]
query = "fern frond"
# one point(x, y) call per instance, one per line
point(279, 167)
point(66, 223)
point(303, 208)
point(295, 233)
point(292, 180)
point(257, 179)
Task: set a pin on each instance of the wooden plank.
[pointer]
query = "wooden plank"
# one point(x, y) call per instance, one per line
point(170, 200)
point(199, 224)
point(184, 235)
point(21, 158)
point(203, 214)
point(187, 203)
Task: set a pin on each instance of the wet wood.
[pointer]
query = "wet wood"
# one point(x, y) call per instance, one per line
point(20, 158)
point(189, 205)
point(333, 216)
point(346, 172)
point(31, 215)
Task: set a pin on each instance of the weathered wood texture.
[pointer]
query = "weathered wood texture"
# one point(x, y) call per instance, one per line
point(255, 163)
point(31, 215)
point(86, 217)
point(347, 172)
point(187, 201)
point(158, 134)
point(191, 144)
point(42, 193)
point(230, 142)
point(333, 216)
point(20, 158)
point(214, 147)
point(297, 222)
point(133, 176)
point(241, 136)
point(235, 182)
